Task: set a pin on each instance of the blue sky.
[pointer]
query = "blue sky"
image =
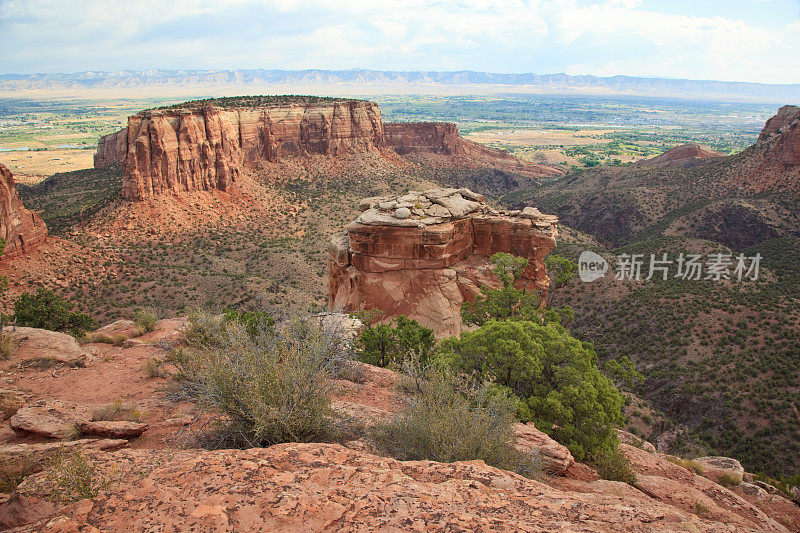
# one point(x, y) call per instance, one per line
point(733, 40)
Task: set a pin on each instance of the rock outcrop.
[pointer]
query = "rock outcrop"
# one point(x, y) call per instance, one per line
point(205, 147)
point(111, 149)
point(442, 138)
point(773, 162)
point(424, 253)
point(682, 156)
point(36, 343)
point(327, 487)
point(22, 230)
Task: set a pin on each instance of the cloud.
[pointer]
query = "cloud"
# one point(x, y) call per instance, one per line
point(578, 36)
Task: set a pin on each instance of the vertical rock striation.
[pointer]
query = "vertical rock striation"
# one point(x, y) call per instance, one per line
point(423, 254)
point(174, 150)
point(22, 230)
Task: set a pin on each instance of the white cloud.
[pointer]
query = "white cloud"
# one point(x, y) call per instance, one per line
point(586, 36)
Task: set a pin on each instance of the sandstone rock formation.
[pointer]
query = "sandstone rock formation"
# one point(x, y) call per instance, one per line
point(773, 162)
point(205, 147)
point(22, 230)
point(682, 156)
point(111, 149)
point(442, 138)
point(113, 429)
point(717, 468)
point(556, 459)
point(424, 253)
point(327, 487)
point(35, 343)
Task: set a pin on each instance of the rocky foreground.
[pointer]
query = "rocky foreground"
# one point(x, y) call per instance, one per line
point(151, 480)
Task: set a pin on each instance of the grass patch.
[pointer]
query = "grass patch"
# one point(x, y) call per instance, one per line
point(7, 345)
point(105, 338)
point(453, 418)
point(117, 411)
point(688, 464)
point(13, 472)
point(71, 477)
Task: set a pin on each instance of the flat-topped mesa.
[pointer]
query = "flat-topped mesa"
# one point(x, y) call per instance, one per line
point(205, 145)
point(425, 253)
point(22, 230)
point(443, 138)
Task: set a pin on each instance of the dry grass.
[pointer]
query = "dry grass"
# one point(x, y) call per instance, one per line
point(118, 411)
point(105, 338)
point(7, 345)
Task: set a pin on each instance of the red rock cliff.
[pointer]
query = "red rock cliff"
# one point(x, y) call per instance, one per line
point(205, 148)
point(442, 138)
point(22, 230)
point(423, 254)
point(773, 162)
point(111, 149)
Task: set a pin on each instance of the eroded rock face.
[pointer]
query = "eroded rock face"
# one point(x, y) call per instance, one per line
point(427, 264)
point(206, 148)
point(442, 138)
point(22, 230)
point(111, 149)
point(327, 487)
point(773, 162)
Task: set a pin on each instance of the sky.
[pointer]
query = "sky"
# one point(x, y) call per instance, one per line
point(730, 40)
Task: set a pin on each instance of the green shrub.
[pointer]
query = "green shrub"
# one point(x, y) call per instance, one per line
point(253, 321)
point(48, 310)
point(509, 302)
point(613, 465)
point(386, 344)
point(554, 374)
point(452, 418)
point(260, 389)
point(560, 270)
point(145, 320)
point(71, 477)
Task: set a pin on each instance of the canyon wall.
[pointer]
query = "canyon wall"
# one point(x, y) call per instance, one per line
point(205, 145)
point(111, 149)
point(426, 139)
point(425, 253)
point(182, 149)
point(773, 162)
point(22, 230)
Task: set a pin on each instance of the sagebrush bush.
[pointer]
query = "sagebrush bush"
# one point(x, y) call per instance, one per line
point(261, 387)
point(145, 320)
point(453, 418)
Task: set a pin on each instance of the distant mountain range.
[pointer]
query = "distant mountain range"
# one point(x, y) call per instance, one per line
point(478, 81)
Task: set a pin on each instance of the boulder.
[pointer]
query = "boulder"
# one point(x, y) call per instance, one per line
point(16, 453)
point(34, 343)
point(54, 419)
point(113, 429)
point(632, 440)
point(718, 468)
point(126, 328)
point(555, 458)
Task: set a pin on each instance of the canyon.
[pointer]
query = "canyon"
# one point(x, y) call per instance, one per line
point(205, 145)
point(22, 230)
point(423, 254)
